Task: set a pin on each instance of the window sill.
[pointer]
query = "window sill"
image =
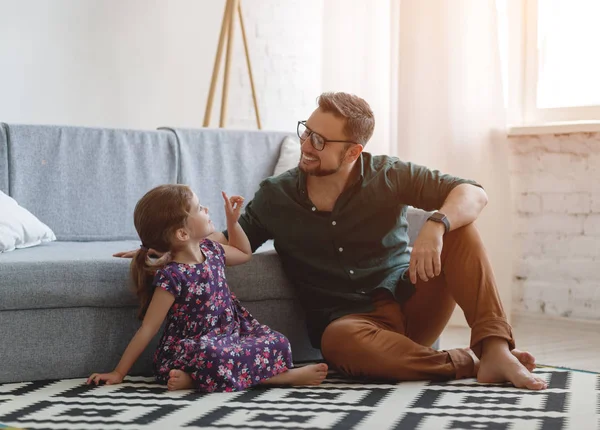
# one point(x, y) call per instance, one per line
point(555, 128)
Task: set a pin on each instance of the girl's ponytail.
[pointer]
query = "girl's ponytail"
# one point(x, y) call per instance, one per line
point(143, 270)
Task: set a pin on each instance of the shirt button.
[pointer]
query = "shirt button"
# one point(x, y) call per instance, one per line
point(333, 223)
point(352, 272)
point(314, 208)
point(363, 291)
point(340, 249)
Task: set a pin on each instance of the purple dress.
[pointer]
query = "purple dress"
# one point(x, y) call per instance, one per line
point(209, 334)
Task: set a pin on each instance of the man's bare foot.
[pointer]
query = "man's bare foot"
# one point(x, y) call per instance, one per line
point(525, 358)
point(499, 365)
point(179, 380)
point(312, 374)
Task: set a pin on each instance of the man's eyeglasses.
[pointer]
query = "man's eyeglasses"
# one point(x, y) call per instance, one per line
point(316, 140)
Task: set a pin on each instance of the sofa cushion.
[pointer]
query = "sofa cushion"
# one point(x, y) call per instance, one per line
point(289, 156)
point(66, 274)
point(238, 162)
point(84, 182)
point(73, 274)
point(262, 278)
point(3, 159)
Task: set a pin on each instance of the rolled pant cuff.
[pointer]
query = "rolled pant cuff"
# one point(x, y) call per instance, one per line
point(497, 327)
point(464, 364)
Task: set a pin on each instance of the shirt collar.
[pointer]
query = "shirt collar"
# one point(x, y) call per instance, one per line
point(362, 168)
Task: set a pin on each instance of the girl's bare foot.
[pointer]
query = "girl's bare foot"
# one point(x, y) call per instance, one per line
point(312, 374)
point(498, 364)
point(179, 380)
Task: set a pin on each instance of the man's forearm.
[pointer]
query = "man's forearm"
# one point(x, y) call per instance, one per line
point(463, 205)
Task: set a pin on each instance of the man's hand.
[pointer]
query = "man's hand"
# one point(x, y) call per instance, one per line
point(131, 254)
point(425, 258)
point(125, 254)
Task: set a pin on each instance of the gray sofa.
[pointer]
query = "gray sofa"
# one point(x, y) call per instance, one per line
point(66, 309)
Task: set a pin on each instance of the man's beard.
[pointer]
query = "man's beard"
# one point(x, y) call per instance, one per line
point(318, 171)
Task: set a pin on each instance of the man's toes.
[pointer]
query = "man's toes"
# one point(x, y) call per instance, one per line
point(529, 366)
point(535, 384)
point(524, 357)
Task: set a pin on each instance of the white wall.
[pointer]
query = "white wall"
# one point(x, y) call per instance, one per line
point(142, 64)
point(557, 239)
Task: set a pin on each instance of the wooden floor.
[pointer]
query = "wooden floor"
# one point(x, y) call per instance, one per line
point(553, 341)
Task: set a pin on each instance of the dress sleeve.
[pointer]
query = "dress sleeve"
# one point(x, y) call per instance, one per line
point(167, 280)
point(215, 248)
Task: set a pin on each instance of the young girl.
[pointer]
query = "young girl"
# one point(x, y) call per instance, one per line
point(210, 341)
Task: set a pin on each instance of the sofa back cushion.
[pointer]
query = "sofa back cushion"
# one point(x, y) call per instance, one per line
point(3, 160)
point(84, 182)
point(234, 161)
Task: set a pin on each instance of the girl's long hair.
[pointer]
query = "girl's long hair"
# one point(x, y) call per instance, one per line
point(156, 217)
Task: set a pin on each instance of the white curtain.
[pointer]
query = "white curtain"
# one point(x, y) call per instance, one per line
point(444, 107)
point(357, 58)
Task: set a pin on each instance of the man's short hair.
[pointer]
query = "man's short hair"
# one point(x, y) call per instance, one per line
point(360, 121)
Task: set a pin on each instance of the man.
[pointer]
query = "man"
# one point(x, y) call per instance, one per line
point(373, 307)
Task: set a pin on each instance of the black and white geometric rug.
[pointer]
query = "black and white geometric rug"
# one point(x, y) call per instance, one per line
point(572, 402)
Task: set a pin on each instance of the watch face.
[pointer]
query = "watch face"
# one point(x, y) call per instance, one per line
point(438, 216)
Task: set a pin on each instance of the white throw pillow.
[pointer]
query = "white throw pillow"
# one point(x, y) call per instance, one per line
point(289, 155)
point(19, 228)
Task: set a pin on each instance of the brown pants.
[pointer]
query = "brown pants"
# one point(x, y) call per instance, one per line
point(393, 341)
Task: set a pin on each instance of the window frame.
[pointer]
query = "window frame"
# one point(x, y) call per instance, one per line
point(531, 114)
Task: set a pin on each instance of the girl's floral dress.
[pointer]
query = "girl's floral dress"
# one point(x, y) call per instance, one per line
point(209, 334)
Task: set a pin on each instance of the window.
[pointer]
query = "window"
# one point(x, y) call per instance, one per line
point(561, 79)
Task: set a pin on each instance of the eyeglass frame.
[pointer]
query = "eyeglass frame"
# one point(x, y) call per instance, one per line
point(311, 132)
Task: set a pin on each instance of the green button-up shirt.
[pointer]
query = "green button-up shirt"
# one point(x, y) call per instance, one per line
point(336, 259)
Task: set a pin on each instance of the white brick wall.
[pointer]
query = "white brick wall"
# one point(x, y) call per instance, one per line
point(557, 237)
point(285, 43)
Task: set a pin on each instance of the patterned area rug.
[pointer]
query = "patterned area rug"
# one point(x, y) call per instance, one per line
point(572, 402)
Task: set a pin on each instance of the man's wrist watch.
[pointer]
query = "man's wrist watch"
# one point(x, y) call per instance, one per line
point(441, 218)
